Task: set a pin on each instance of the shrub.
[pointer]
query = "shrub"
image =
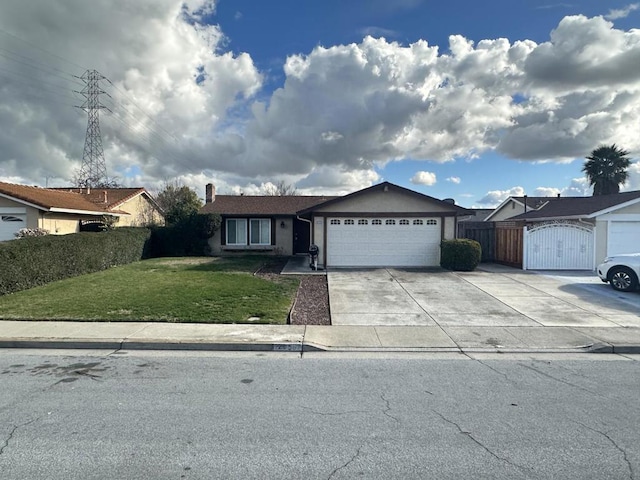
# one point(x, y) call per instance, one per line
point(460, 254)
point(31, 232)
point(188, 237)
point(33, 261)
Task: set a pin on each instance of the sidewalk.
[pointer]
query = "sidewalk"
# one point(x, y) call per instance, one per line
point(294, 338)
point(615, 328)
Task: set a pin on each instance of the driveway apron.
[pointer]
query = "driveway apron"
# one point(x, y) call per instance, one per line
point(510, 298)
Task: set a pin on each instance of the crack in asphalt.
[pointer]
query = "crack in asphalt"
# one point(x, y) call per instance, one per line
point(349, 462)
point(506, 377)
point(479, 443)
point(12, 433)
point(632, 475)
point(388, 409)
point(540, 372)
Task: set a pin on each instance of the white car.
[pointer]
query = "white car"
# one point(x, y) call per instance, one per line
point(621, 271)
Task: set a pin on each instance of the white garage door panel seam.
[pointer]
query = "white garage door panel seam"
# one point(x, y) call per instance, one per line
point(623, 237)
point(364, 245)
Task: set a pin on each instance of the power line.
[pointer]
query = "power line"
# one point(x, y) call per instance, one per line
point(42, 50)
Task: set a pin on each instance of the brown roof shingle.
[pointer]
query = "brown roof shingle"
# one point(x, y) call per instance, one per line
point(262, 205)
point(71, 198)
point(577, 206)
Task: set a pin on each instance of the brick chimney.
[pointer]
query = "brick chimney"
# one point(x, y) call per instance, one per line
point(210, 193)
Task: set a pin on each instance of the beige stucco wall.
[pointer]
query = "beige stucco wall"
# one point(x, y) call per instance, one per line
point(449, 228)
point(318, 236)
point(283, 240)
point(59, 223)
point(379, 201)
point(141, 213)
point(510, 209)
point(601, 232)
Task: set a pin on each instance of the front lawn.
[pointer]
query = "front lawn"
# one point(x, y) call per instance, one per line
point(210, 290)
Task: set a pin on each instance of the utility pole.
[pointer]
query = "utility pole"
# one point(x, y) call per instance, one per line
point(93, 171)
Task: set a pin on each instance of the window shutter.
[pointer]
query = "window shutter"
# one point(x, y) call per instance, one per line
point(273, 231)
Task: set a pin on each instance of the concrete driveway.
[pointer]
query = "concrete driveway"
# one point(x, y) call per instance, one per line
point(493, 296)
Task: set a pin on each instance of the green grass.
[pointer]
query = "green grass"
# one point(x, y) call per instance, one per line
point(210, 290)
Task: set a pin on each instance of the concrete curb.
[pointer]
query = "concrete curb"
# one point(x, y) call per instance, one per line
point(102, 344)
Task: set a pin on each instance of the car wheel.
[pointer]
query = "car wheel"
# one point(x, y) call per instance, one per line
point(623, 279)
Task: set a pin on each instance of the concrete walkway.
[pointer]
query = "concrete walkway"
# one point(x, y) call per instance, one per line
point(497, 309)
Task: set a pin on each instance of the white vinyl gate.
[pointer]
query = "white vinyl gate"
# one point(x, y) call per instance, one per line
point(558, 246)
point(383, 242)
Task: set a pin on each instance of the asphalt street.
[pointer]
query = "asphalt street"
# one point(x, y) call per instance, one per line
point(156, 415)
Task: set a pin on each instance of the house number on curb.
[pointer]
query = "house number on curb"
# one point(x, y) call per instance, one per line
point(293, 347)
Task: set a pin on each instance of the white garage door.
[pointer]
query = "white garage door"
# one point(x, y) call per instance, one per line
point(10, 224)
point(383, 242)
point(624, 237)
point(559, 247)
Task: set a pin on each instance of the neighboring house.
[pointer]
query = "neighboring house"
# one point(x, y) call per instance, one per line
point(383, 225)
point(476, 214)
point(513, 206)
point(69, 210)
point(573, 233)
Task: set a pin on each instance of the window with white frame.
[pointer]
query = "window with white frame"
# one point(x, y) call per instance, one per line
point(236, 231)
point(260, 231)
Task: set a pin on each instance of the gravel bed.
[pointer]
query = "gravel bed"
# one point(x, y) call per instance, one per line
point(311, 305)
point(312, 302)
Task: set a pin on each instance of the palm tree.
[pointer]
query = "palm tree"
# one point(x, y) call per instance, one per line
point(606, 169)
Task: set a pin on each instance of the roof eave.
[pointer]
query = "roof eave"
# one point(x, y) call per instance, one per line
point(84, 212)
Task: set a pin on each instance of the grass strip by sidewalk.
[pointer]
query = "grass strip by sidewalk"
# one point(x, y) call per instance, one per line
point(209, 290)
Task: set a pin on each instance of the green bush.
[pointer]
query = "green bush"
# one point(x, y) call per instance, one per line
point(189, 237)
point(32, 261)
point(461, 254)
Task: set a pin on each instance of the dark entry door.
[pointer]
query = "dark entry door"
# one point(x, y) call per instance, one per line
point(301, 236)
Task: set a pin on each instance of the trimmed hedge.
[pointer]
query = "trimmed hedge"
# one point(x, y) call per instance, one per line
point(188, 237)
point(461, 254)
point(32, 261)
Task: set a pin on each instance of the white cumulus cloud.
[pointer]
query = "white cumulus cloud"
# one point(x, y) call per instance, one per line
point(455, 180)
point(424, 178)
point(184, 107)
point(615, 14)
point(496, 197)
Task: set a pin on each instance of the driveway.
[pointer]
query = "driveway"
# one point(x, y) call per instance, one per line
point(493, 296)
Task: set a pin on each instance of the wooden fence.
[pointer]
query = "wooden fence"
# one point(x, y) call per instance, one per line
point(509, 244)
point(483, 233)
point(501, 242)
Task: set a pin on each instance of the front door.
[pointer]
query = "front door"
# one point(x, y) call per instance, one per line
point(301, 236)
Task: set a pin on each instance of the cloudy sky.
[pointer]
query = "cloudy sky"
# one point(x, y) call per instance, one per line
point(463, 99)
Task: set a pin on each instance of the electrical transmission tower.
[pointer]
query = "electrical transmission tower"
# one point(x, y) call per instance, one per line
point(93, 171)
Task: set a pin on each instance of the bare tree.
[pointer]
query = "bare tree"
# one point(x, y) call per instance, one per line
point(280, 189)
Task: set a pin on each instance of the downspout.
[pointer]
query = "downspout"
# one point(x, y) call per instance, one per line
point(310, 226)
